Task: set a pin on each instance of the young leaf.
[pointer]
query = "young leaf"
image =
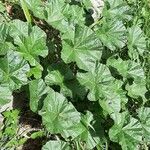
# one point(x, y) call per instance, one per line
point(31, 42)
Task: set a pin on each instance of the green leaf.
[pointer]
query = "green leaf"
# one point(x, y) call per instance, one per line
point(31, 42)
point(118, 9)
point(56, 145)
point(127, 131)
point(88, 131)
point(4, 44)
point(128, 69)
point(115, 98)
point(137, 89)
point(136, 42)
point(5, 95)
point(81, 46)
point(60, 74)
point(144, 116)
point(96, 80)
point(37, 90)
point(74, 14)
point(58, 114)
point(53, 14)
point(13, 70)
point(112, 33)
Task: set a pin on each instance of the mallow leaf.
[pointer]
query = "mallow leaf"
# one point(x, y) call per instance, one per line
point(88, 131)
point(115, 98)
point(13, 70)
point(112, 33)
point(58, 114)
point(137, 89)
point(144, 117)
point(37, 7)
point(136, 42)
point(53, 14)
point(128, 69)
point(61, 75)
point(74, 14)
point(31, 42)
point(96, 80)
point(5, 95)
point(118, 9)
point(127, 131)
point(56, 145)
point(37, 89)
point(81, 46)
point(4, 44)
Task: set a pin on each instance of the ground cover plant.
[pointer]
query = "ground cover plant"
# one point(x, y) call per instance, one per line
point(81, 74)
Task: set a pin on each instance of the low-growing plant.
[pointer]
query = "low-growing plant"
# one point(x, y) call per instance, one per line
point(88, 79)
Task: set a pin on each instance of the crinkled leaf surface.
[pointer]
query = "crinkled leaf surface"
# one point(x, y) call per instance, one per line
point(5, 95)
point(127, 68)
point(13, 70)
point(58, 114)
point(4, 44)
point(54, 16)
point(136, 41)
point(31, 41)
point(115, 98)
point(74, 13)
point(56, 145)
point(86, 131)
point(144, 116)
point(127, 131)
point(96, 80)
point(37, 90)
point(112, 33)
point(137, 89)
point(119, 9)
point(81, 46)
